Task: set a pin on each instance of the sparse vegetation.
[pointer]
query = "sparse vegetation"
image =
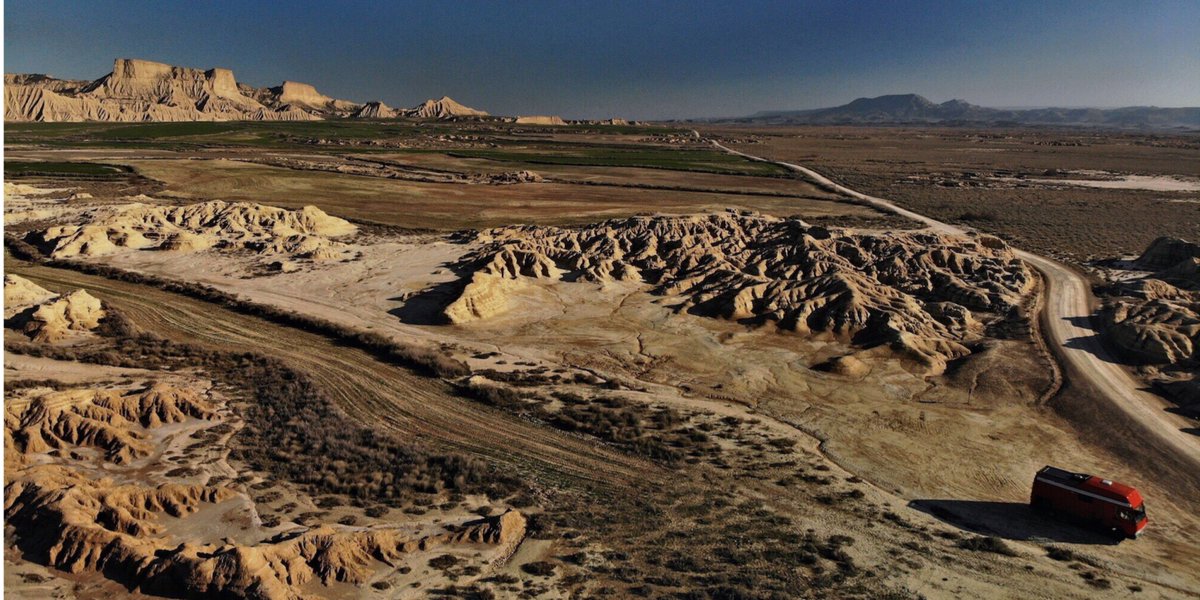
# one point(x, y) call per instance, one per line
point(991, 544)
point(539, 568)
point(17, 169)
point(294, 431)
point(659, 433)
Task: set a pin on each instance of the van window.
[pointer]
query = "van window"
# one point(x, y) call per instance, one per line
point(1082, 498)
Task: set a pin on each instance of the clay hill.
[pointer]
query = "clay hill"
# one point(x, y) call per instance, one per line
point(913, 108)
point(923, 295)
point(304, 233)
point(1154, 320)
point(442, 109)
point(46, 316)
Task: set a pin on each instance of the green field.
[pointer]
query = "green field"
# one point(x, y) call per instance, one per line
point(708, 161)
point(64, 169)
point(271, 133)
point(576, 145)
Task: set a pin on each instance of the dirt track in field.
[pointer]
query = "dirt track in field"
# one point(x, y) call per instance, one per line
point(380, 396)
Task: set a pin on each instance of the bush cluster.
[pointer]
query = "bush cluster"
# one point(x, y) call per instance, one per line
point(295, 432)
point(657, 433)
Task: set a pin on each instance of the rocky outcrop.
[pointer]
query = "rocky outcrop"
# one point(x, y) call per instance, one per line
point(55, 319)
point(107, 420)
point(920, 293)
point(487, 295)
point(1155, 319)
point(96, 526)
point(41, 80)
point(1156, 331)
point(293, 95)
point(21, 293)
point(376, 110)
point(1166, 252)
point(216, 224)
point(540, 120)
point(514, 177)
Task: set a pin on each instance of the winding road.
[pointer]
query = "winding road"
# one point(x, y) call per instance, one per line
point(1068, 309)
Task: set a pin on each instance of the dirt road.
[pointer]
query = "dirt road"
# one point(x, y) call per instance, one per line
point(1068, 309)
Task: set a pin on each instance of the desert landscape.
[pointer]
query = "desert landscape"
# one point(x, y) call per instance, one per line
point(261, 342)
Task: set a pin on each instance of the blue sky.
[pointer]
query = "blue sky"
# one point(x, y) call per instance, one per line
point(646, 59)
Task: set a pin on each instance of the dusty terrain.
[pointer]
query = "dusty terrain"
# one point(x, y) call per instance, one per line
point(808, 395)
point(1075, 195)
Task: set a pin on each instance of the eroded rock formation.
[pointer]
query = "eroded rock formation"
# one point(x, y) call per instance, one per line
point(105, 517)
point(442, 109)
point(921, 293)
point(1154, 320)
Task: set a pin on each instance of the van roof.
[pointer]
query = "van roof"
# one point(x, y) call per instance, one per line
point(1106, 488)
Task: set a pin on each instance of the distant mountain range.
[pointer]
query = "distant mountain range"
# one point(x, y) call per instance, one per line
point(901, 109)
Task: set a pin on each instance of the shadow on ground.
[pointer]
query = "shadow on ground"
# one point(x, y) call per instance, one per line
point(1084, 322)
point(1009, 520)
point(425, 307)
point(1094, 345)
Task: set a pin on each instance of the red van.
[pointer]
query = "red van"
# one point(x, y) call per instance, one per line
point(1103, 503)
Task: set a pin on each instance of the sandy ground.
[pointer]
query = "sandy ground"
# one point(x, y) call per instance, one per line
point(1154, 183)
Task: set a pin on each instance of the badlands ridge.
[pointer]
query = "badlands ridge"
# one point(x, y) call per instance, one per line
point(141, 90)
point(304, 233)
point(105, 520)
point(924, 295)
